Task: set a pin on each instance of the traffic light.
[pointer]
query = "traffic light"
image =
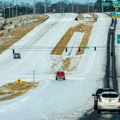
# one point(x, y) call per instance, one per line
point(66, 49)
point(94, 48)
point(79, 49)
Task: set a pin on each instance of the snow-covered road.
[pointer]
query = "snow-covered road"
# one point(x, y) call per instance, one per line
point(33, 57)
point(54, 100)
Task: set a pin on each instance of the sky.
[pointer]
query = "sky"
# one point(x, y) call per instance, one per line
point(53, 1)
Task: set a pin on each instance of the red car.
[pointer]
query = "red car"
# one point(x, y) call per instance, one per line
point(60, 75)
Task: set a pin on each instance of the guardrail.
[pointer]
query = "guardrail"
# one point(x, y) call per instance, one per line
point(110, 63)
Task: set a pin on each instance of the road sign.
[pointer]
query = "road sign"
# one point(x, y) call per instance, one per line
point(105, 4)
point(116, 4)
point(118, 38)
point(19, 82)
point(116, 14)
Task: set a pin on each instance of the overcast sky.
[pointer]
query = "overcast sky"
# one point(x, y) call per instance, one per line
point(53, 1)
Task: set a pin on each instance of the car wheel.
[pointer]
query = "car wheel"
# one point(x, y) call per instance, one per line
point(98, 111)
point(95, 107)
point(56, 78)
point(63, 78)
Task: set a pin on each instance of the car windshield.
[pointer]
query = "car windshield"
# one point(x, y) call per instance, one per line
point(111, 95)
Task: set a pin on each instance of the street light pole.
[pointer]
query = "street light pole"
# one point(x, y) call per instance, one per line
point(12, 8)
point(26, 8)
point(4, 9)
point(61, 6)
point(88, 6)
point(102, 6)
point(45, 7)
point(72, 6)
point(16, 8)
point(9, 12)
point(78, 7)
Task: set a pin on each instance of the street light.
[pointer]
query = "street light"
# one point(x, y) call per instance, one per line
point(12, 8)
point(102, 5)
point(16, 8)
point(45, 6)
point(4, 9)
point(72, 7)
point(61, 6)
point(88, 6)
point(78, 7)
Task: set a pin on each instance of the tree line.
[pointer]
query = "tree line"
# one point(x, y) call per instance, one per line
point(8, 9)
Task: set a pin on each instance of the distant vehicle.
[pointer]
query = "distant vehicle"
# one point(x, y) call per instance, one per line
point(60, 75)
point(17, 56)
point(97, 94)
point(109, 101)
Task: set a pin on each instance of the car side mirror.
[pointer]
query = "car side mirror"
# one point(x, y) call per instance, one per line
point(93, 94)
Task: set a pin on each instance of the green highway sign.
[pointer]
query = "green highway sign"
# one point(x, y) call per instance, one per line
point(118, 38)
point(116, 4)
point(116, 14)
point(116, 9)
point(105, 4)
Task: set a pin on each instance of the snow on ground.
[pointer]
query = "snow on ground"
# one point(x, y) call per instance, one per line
point(53, 100)
point(87, 17)
point(32, 46)
point(74, 43)
point(1, 21)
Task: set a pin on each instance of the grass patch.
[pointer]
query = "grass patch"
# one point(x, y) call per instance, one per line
point(17, 33)
point(13, 90)
point(81, 27)
point(66, 64)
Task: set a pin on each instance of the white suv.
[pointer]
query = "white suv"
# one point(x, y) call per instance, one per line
point(108, 101)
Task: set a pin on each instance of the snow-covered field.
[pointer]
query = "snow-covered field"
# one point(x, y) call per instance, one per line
point(53, 100)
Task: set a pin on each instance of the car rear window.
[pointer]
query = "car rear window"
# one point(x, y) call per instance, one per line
point(60, 72)
point(99, 91)
point(110, 95)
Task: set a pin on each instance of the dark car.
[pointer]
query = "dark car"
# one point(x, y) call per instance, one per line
point(60, 75)
point(17, 56)
point(97, 95)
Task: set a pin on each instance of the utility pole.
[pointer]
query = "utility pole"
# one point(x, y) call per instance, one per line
point(33, 76)
point(16, 8)
point(45, 6)
point(78, 6)
point(34, 9)
point(72, 7)
point(102, 6)
point(26, 8)
point(88, 6)
point(9, 11)
point(12, 8)
point(4, 9)
point(61, 6)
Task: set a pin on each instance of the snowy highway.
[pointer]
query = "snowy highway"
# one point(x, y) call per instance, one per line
point(54, 100)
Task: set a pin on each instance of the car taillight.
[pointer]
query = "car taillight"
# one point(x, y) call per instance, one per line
point(119, 100)
point(100, 100)
point(95, 98)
